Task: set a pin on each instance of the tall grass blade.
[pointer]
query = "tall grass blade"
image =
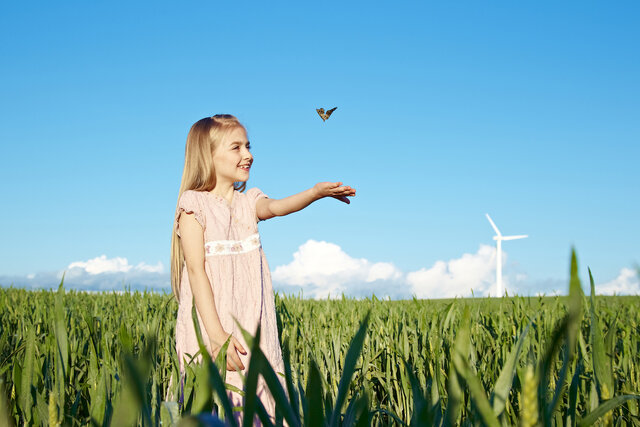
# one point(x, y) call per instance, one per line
point(602, 366)
point(357, 412)
point(421, 410)
point(272, 381)
point(127, 407)
point(573, 394)
point(62, 347)
point(314, 415)
point(251, 384)
point(98, 400)
point(454, 398)
point(504, 382)
point(203, 398)
point(546, 366)
point(25, 397)
point(347, 373)
point(217, 377)
point(169, 414)
point(569, 328)
point(461, 362)
point(605, 407)
point(449, 317)
point(137, 375)
point(291, 389)
point(5, 415)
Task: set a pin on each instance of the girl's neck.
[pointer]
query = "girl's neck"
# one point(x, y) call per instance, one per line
point(225, 191)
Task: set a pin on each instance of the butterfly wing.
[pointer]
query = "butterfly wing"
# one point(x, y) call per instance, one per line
point(330, 111)
point(321, 113)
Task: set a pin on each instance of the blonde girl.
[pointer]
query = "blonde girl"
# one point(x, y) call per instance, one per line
point(217, 260)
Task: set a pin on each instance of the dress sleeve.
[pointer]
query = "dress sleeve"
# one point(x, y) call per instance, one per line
point(190, 204)
point(254, 194)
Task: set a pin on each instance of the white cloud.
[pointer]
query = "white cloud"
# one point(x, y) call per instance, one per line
point(457, 277)
point(319, 263)
point(97, 274)
point(102, 264)
point(383, 271)
point(626, 283)
point(322, 269)
point(158, 268)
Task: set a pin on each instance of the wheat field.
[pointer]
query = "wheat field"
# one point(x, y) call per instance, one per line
point(74, 358)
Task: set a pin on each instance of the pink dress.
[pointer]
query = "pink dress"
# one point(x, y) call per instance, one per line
point(240, 280)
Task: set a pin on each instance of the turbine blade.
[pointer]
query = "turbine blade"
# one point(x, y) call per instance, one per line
point(521, 236)
point(493, 225)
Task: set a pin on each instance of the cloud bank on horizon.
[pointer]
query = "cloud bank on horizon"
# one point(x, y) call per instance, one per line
point(97, 274)
point(323, 270)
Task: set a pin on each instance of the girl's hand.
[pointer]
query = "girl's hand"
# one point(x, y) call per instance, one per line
point(335, 190)
point(233, 360)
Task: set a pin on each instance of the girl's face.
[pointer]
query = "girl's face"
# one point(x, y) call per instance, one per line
point(232, 159)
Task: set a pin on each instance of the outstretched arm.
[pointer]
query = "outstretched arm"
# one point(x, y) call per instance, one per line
point(268, 208)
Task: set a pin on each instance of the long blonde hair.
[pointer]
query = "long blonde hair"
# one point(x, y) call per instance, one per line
point(199, 174)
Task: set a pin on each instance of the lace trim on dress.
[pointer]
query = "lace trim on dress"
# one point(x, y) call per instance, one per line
point(232, 247)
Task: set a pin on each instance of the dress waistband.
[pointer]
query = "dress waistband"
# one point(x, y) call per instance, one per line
point(232, 247)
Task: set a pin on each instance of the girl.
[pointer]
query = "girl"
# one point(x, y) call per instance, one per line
point(216, 256)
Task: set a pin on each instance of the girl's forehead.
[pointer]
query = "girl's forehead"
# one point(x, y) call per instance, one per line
point(235, 135)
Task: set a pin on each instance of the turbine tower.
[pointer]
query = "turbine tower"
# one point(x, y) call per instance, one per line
point(499, 238)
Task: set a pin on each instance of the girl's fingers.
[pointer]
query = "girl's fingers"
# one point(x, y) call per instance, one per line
point(345, 191)
point(335, 189)
point(234, 361)
point(239, 346)
point(233, 367)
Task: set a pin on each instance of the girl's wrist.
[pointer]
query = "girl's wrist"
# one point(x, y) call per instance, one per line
point(219, 339)
point(315, 193)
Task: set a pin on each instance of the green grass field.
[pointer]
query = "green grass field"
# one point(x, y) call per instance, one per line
point(71, 358)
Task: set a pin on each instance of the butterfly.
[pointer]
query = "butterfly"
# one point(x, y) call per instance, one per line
point(324, 116)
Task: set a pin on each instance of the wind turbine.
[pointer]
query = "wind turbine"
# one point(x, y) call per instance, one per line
point(499, 238)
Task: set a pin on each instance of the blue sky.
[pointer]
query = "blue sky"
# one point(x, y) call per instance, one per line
point(446, 111)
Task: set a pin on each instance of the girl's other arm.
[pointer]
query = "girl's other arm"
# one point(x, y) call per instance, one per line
point(192, 240)
point(268, 208)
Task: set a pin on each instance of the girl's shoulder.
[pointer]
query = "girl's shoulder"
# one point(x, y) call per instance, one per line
point(190, 197)
point(201, 196)
point(190, 200)
point(205, 198)
point(254, 194)
point(199, 200)
point(192, 193)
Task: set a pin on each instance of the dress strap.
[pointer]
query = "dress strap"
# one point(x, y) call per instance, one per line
point(232, 247)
